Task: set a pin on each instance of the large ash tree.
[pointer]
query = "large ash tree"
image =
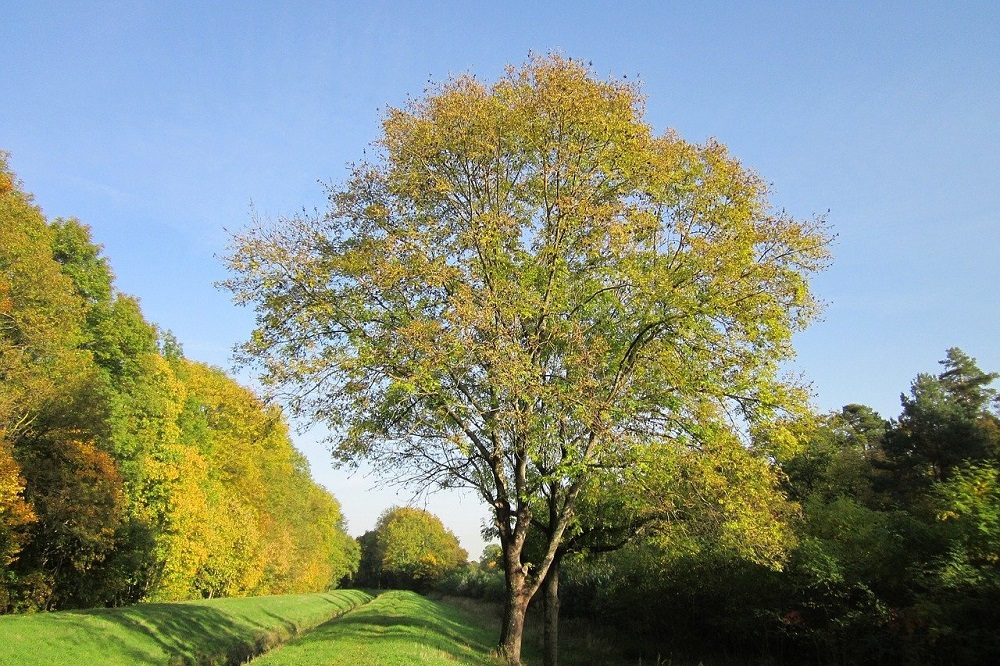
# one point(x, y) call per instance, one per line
point(522, 289)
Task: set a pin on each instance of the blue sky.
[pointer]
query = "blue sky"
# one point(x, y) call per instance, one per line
point(159, 123)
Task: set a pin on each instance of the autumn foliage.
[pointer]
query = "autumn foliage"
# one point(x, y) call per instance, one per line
point(128, 472)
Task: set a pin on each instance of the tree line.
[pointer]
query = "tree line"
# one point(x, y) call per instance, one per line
point(127, 471)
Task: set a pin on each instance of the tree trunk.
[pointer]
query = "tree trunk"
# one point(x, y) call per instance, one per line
point(508, 594)
point(550, 597)
point(516, 607)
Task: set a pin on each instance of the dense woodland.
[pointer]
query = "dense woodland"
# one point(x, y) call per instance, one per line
point(896, 550)
point(128, 472)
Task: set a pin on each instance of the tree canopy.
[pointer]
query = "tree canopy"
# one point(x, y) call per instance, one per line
point(525, 284)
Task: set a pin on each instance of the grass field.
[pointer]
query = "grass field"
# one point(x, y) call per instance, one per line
point(396, 629)
point(342, 628)
point(220, 631)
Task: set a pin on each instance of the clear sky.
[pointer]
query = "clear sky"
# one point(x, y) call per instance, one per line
point(159, 123)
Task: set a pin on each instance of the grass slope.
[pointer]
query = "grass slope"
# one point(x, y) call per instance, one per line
point(219, 631)
point(396, 629)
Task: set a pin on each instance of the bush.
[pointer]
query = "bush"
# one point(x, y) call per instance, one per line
point(475, 582)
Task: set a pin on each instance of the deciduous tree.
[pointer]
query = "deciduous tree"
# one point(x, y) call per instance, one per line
point(410, 548)
point(526, 282)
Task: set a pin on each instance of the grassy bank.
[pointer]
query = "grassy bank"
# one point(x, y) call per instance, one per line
point(396, 629)
point(219, 631)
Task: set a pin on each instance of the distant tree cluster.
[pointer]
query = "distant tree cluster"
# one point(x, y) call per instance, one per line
point(128, 472)
point(409, 548)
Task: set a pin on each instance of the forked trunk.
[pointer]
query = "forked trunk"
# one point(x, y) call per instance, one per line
point(515, 612)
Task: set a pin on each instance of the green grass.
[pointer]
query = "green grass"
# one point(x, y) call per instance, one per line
point(396, 629)
point(333, 629)
point(219, 631)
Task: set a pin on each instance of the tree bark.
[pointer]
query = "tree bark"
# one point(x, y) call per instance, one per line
point(516, 608)
point(520, 588)
point(508, 595)
point(550, 597)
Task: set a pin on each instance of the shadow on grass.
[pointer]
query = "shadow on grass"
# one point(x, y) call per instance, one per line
point(190, 634)
point(220, 632)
